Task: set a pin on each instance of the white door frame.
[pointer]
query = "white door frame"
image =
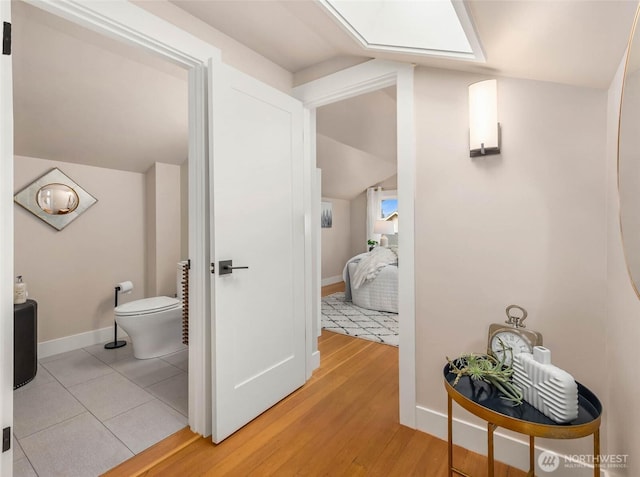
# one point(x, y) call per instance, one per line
point(360, 79)
point(125, 21)
point(6, 247)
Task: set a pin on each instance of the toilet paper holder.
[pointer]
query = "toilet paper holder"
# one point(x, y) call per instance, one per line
point(115, 343)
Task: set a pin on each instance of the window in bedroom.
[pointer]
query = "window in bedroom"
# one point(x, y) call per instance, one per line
point(389, 207)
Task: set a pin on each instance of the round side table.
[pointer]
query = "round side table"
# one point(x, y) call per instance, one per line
point(483, 400)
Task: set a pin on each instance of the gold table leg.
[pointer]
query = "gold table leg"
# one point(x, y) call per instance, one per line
point(532, 457)
point(490, 428)
point(596, 453)
point(450, 431)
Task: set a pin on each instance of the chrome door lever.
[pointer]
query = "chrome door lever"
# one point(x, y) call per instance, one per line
point(226, 267)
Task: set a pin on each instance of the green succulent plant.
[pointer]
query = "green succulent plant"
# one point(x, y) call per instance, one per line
point(488, 369)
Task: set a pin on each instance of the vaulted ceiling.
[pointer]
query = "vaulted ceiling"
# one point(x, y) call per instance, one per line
point(356, 143)
point(80, 97)
point(84, 98)
point(577, 42)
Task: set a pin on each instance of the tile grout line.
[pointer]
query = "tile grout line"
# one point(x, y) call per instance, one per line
point(30, 464)
point(70, 393)
point(103, 422)
point(125, 377)
point(153, 397)
point(167, 403)
point(79, 402)
point(170, 377)
point(145, 388)
point(86, 411)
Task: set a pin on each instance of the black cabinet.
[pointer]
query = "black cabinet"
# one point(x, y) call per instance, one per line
point(25, 343)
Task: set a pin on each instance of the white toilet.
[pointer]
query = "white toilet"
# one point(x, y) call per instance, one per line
point(153, 324)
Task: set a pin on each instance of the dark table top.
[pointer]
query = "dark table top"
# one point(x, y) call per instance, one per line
point(487, 396)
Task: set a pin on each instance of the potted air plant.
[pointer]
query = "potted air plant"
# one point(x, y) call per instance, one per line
point(487, 368)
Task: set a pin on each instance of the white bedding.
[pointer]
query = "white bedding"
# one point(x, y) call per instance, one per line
point(371, 280)
point(380, 293)
point(370, 265)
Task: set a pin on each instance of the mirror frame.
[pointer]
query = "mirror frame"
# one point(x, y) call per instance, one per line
point(28, 198)
point(634, 30)
point(55, 187)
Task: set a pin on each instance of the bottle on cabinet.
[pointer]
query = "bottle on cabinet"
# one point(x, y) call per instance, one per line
point(19, 291)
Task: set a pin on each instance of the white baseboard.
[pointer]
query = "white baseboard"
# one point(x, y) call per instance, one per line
point(73, 342)
point(511, 451)
point(331, 280)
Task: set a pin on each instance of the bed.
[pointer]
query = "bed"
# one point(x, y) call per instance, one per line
point(371, 280)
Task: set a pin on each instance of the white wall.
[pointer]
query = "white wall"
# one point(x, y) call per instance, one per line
point(163, 211)
point(234, 53)
point(629, 170)
point(336, 241)
point(184, 211)
point(93, 83)
point(131, 233)
point(150, 229)
point(359, 224)
point(623, 316)
point(524, 227)
point(72, 273)
point(390, 183)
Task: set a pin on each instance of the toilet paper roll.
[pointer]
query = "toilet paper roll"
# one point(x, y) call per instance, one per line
point(125, 287)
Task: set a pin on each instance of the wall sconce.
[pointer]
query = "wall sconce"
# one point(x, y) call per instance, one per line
point(484, 128)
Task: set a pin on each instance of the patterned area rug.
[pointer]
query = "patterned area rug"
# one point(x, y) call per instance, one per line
point(344, 317)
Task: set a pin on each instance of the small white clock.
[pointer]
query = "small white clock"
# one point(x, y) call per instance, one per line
point(505, 342)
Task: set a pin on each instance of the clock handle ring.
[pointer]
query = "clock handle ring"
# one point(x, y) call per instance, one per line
point(516, 321)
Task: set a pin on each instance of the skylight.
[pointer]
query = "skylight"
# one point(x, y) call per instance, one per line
point(426, 27)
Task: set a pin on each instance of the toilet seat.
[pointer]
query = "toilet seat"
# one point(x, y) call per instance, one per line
point(147, 306)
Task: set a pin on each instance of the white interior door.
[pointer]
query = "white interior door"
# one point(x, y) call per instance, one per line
point(6, 244)
point(257, 221)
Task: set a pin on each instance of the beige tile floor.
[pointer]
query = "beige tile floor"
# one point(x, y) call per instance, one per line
point(90, 409)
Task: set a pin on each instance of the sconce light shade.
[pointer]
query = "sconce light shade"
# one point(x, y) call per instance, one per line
point(484, 129)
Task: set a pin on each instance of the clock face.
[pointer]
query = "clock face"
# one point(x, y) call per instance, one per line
point(514, 344)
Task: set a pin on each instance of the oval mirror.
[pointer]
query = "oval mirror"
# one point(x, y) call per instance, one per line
point(629, 159)
point(57, 199)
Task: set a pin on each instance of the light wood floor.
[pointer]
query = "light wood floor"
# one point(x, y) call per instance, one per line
point(335, 288)
point(343, 422)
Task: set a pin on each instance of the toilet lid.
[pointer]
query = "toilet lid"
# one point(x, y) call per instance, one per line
point(147, 305)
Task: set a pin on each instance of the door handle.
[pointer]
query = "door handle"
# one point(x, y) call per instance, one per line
point(226, 267)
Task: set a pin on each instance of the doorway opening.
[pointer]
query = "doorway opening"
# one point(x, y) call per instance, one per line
point(366, 77)
point(356, 153)
point(96, 120)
